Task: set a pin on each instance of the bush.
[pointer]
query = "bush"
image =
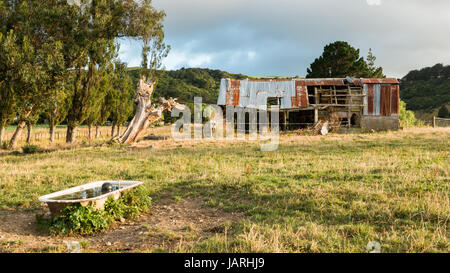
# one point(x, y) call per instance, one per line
point(86, 220)
point(407, 117)
point(30, 149)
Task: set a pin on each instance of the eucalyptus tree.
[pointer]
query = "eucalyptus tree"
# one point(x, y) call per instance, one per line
point(120, 98)
point(7, 100)
point(32, 59)
point(30, 67)
point(97, 24)
point(57, 106)
point(102, 87)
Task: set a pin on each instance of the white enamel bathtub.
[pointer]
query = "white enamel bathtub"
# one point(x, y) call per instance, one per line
point(98, 202)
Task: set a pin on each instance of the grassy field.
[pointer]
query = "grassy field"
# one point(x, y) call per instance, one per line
point(331, 193)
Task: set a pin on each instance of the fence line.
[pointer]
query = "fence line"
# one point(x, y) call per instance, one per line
point(61, 134)
point(441, 119)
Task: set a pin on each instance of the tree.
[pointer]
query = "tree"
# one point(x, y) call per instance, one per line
point(373, 71)
point(96, 24)
point(443, 112)
point(30, 68)
point(148, 27)
point(32, 58)
point(57, 106)
point(7, 99)
point(120, 98)
point(340, 60)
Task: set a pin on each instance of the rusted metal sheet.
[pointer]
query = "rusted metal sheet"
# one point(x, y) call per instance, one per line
point(365, 102)
point(232, 96)
point(370, 100)
point(385, 100)
point(321, 82)
point(301, 96)
point(395, 99)
point(379, 81)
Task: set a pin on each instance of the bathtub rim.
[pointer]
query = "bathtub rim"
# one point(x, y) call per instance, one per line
point(87, 186)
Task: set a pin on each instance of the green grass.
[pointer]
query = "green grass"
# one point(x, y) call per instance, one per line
point(330, 193)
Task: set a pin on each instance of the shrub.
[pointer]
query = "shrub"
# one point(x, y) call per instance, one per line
point(407, 118)
point(86, 220)
point(30, 149)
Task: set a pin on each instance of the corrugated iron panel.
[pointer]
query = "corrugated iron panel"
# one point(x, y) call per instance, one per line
point(380, 81)
point(376, 99)
point(301, 95)
point(385, 100)
point(321, 82)
point(395, 99)
point(221, 99)
point(370, 99)
point(232, 96)
point(365, 100)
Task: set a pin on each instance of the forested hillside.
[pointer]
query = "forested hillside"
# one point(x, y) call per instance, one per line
point(187, 83)
point(427, 89)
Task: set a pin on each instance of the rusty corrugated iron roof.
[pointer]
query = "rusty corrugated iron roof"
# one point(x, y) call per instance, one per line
point(380, 81)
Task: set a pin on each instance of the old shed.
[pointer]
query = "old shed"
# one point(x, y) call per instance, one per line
point(368, 104)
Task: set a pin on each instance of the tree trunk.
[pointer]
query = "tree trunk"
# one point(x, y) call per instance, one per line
point(71, 134)
point(96, 131)
point(29, 130)
point(52, 132)
point(145, 112)
point(15, 138)
point(89, 131)
point(2, 134)
point(112, 129)
point(118, 130)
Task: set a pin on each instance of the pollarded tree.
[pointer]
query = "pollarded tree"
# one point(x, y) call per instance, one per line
point(97, 23)
point(148, 27)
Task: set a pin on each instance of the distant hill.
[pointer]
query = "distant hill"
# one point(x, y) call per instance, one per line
point(187, 83)
point(426, 90)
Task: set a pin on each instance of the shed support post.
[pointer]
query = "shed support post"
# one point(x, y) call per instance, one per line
point(316, 115)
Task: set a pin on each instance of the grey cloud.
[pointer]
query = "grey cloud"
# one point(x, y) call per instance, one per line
point(285, 36)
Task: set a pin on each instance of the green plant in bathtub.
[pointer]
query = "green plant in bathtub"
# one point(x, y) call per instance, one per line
point(86, 220)
point(80, 220)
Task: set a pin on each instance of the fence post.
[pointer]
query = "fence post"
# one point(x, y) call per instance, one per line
point(434, 121)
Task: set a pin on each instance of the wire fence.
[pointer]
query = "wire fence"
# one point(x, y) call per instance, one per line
point(441, 122)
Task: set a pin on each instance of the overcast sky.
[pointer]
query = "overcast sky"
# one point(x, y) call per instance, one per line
point(282, 37)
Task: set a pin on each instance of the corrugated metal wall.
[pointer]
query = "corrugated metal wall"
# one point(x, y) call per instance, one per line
point(382, 100)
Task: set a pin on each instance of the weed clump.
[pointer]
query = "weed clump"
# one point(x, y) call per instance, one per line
point(87, 220)
point(30, 149)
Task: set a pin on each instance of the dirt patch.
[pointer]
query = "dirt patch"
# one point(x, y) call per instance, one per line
point(170, 226)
